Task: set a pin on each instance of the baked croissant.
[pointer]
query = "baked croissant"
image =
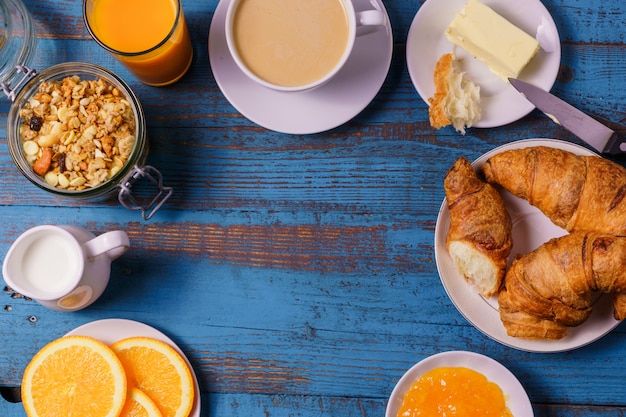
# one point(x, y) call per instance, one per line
point(479, 239)
point(574, 192)
point(552, 287)
point(619, 306)
point(520, 324)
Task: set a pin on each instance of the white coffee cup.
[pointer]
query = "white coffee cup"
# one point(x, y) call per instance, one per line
point(280, 46)
point(64, 268)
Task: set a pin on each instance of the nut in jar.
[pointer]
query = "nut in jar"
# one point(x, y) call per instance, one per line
point(78, 131)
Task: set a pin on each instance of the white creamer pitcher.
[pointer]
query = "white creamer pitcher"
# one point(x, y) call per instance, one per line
point(64, 268)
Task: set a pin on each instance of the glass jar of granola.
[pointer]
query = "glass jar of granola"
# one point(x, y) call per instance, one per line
point(77, 130)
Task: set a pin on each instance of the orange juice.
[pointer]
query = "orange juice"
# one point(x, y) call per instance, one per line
point(149, 37)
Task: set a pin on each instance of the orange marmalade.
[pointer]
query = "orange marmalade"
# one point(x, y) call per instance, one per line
point(454, 392)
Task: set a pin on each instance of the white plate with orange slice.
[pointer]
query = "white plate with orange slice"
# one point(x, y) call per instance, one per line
point(110, 331)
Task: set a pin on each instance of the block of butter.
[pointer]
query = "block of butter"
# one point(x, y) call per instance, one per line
point(502, 46)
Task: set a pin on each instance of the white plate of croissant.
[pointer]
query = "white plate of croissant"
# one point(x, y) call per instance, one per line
point(529, 244)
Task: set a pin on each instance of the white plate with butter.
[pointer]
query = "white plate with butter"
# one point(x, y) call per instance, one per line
point(531, 228)
point(501, 104)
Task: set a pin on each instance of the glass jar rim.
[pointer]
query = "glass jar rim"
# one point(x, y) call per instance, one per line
point(130, 54)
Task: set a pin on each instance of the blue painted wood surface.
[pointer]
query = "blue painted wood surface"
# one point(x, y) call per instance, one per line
point(297, 272)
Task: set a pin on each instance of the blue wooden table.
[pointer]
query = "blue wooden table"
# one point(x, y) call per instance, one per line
point(297, 272)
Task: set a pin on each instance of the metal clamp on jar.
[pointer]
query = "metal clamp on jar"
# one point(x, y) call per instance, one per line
point(17, 45)
point(59, 143)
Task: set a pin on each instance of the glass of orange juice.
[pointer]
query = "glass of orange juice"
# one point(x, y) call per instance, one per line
point(149, 37)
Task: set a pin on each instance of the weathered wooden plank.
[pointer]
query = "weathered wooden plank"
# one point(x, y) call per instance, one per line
point(312, 325)
point(289, 406)
point(592, 22)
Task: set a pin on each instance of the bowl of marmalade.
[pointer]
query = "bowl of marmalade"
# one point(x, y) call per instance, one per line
point(458, 383)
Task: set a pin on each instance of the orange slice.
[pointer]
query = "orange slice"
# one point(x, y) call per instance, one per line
point(74, 375)
point(138, 404)
point(158, 370)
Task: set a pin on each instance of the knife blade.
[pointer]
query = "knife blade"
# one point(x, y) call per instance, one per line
point(596, 134)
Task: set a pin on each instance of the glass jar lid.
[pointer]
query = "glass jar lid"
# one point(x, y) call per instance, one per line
point(17, 41)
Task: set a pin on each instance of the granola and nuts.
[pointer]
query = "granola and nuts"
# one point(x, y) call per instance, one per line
point(77, 134)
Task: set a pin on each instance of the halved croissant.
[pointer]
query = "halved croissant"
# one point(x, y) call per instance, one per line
point(479, 239)
point(556, 283)
point(575, 192)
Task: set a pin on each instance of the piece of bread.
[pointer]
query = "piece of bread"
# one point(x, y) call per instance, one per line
point(574, 192)
point(456, 100)
point(479, 240)
point(557, 281)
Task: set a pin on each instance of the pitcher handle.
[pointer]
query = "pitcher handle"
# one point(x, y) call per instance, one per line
point(112, 244)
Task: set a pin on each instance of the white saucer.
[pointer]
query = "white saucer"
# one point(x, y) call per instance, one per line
point(500, 102)
point(324, 108)
point(531, 228)
point(516, 397)
point(109, 331)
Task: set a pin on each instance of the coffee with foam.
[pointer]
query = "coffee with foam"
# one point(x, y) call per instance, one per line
point(291, 42)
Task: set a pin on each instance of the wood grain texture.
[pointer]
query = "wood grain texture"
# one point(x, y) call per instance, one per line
point(297, 272)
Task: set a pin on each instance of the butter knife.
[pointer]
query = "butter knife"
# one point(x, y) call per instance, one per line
point(596, 134)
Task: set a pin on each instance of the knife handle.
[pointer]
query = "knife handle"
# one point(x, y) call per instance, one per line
point(616, 145)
